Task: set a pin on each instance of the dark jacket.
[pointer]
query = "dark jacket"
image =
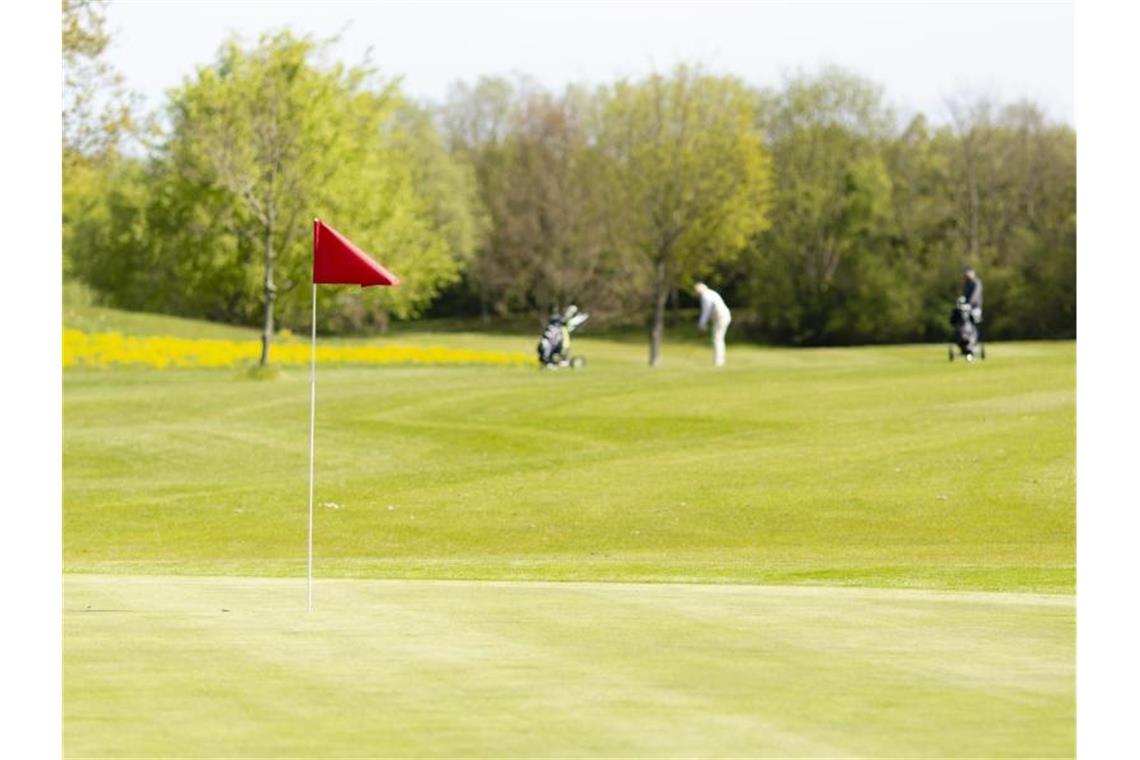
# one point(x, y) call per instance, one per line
point(972, 292)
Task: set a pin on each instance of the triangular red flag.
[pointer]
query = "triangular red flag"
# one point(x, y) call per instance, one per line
point(336, 261)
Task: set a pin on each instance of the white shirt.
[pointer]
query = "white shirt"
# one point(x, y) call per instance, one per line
point(713, 305)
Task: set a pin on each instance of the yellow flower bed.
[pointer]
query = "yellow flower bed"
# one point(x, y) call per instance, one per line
point(107, 349)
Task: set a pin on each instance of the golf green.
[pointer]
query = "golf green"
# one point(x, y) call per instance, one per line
point(233, 667)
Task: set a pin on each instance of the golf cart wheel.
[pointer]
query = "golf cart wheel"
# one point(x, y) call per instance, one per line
point(578, 362)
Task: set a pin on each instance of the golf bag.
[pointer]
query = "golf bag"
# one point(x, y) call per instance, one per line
point(966, 336)
point(554, 344)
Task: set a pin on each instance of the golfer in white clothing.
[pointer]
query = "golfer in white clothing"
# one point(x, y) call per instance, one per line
point(712, 307)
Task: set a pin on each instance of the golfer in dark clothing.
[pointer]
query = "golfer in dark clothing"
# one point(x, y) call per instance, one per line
point(972, 292)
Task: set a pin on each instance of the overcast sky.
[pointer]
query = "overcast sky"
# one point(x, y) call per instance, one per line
point(921, 53)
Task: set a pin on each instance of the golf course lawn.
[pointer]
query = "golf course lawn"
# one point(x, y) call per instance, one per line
point(856, 551)
point(217, 667)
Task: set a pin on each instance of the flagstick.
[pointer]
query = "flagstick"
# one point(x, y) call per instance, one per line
point(312, 425)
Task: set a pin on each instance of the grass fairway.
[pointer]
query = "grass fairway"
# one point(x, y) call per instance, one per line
point(868, 466)
point(701, 524)
point(208, 667)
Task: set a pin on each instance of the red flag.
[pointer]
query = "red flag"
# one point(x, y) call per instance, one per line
point(336, 261)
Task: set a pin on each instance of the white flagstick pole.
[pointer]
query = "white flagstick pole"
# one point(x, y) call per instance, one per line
point(312, 425)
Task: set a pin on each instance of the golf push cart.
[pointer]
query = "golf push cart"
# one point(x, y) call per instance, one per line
point(554, 345)
point(967, 337)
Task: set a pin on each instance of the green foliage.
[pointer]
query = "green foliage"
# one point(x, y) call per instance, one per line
point(818, 273)
point(1015, 214)
point(285, 140)
point(692, 174)
point(807, 206)
point(553, 228)
point(263, 140)
point(97, 111)
point(870, 229)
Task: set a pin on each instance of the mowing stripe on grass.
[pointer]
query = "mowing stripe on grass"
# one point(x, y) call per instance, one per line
point(197, 667)
point(880, 466)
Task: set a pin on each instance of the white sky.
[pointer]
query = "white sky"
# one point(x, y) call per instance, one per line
point(921, 53)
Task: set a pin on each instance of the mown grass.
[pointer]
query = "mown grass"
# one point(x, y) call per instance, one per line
point(863, 466)
point(804, 470)
point(213, 667)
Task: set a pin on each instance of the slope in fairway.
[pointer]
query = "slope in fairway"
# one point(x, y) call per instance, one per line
point(207, 667)
point(869, 466)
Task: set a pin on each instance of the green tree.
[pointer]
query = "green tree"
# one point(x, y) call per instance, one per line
point(1012, 178)
point(924, 225)
point(692, 174)
point(98, 116)
point(269, 138)
point(477, 122)
point(97, 110)
point(426, 228)
point(216, 222)
point(824, 271)
point(154, 242)
point(552, 238)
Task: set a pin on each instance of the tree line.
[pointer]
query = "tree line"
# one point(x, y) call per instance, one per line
point(819, 214)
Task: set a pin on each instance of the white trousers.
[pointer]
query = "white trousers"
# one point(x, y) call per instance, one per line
point(719, 328)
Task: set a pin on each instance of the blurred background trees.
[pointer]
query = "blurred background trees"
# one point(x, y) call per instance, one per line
point(98, 118)
point(820, 215)
point(824, 271)
point(692, 178)
point(215, 221)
